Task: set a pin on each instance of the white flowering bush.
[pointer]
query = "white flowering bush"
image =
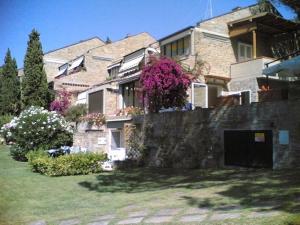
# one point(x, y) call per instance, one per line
point(37, 128)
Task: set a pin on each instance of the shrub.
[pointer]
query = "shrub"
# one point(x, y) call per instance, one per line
point(131, 110)
point(7, 132)
point(18, 153)
point(72, 164)
point(38, 160)
point(74, 113)
point(4, 119)
point(37, 128)
point(294, 220)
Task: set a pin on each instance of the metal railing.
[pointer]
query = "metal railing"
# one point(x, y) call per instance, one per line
point(294, 54)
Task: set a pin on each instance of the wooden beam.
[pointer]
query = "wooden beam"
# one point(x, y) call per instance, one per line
point(254, 44)
point(243, 29)
point(269, 29)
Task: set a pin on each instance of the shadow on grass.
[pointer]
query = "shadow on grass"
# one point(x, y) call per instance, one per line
point(252, 188)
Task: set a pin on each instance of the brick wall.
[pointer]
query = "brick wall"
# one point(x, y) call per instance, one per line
point(95, 69)
point(217, 53)
point(66, 54)
point(88, 137)
point(219, 24)
point(111, 102)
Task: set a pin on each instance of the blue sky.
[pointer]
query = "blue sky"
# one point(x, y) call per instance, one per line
point(63, 22)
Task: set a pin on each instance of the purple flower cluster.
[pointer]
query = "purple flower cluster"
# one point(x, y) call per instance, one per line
point(164, 84)
point(62, 103)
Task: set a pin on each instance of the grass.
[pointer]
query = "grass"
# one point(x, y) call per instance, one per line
point(26, 196)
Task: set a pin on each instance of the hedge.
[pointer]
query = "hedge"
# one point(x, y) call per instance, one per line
point(71, 164)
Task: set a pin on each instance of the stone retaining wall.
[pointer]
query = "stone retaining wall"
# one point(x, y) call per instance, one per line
point(194, 139)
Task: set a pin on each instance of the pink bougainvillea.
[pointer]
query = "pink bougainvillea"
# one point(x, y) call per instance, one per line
point(62, 102)
point(164, 84)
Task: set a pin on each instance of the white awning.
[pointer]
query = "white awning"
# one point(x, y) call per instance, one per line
point(62, 70)
point(132, 63)
point(113, 65)
point(289, 67)
point(130, 78)
point(77, 62)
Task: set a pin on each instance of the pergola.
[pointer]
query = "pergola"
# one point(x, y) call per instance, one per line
point(268, 23)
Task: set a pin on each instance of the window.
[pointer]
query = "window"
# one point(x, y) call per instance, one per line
point(168, 50)
point(187, 43)
point(115, 139)
point(113, 72)
point(245, 97)
point(244, 52)
point(96, 102)
point(131, 94)
point(179, 47)
point(199, 95)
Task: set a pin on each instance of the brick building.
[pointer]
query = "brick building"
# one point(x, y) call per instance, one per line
point(79, 66)
point(231, 49)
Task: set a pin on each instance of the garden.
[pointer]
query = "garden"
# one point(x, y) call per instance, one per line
point(38, 124)
point(38, 133)
point(44, 180)
point(27, 197)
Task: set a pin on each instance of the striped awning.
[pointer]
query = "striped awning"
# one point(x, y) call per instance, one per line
point(77, 62)
point(131, 64)
point(62, 70)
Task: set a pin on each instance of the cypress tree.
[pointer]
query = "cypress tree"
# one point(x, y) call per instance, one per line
point(34, 84)
point(10, 86)
point(1, 81)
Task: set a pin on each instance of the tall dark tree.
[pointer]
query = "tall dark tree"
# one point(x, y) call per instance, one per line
point(1, 81)
point(34, 84)
point(10, 86)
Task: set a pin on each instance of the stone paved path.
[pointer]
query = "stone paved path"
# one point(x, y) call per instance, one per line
point(162, 216)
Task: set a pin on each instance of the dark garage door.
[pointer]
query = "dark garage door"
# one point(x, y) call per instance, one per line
point(249, 148)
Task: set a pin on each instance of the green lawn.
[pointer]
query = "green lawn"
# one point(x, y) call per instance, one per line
point(27, 196)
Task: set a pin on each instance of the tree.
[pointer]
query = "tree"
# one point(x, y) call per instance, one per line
point(108, 41)
point(34, 85)
point(10, 86)
point(292, 4)
point(1, 81)
point(164, 84)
